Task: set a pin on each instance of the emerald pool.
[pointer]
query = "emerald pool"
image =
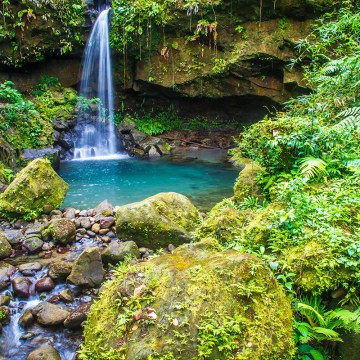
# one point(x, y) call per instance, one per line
point(203, 176)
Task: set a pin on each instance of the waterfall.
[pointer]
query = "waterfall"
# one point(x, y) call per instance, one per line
point(96, 134)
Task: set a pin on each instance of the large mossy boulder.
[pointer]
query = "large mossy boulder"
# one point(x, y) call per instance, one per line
point(195, 303)
point(245, 184)
point(33, 187)
point(223, 224)
point(158, 221)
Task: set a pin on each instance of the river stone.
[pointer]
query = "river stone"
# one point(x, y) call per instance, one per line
point(107, 222)
point(103, 231)
point(88, 269)
point(202, 292)
point(104, 208)
point(95, 228)
point(14, 237)
point(30, 266)
point(78, 316)
point(5, 247)
point(26, 319)
point(49, 314)
point(118, 251)
point(83, 213)
point(45, 352)
point(61, 230)
point(5, 318)
point(20, 223)
point(85, 223)
point(158, 220)
point(59, 270)
point(45, 284)
point(21, 287)
point(32, 244)
point(34, 229)
point(70, 213)
point(33, 187)
point(66, 295)
point(4, 300)
point(27, 336)
point(6, 270)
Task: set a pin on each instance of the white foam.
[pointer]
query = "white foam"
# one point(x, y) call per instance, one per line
point(104, 157)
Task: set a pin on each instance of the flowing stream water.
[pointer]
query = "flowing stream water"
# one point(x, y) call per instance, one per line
point(97, 136)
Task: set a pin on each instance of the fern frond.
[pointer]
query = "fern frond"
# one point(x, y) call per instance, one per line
point(311, 167)
point(345, 319)
point(355, 162)
point(325, 334)
point(354, 111)
point(349, 122)
point(311, 313)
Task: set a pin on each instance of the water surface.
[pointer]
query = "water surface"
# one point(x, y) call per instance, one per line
point(203, 176)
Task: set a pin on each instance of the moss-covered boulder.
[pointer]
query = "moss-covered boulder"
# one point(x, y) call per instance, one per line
point(33, 187)
point(223, 224)
point(118, 251)
point(158, 221)
point(62, 231)
point(195, 303)
point(5, 247)
point(245, 184)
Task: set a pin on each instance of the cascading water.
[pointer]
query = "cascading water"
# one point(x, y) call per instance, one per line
point(96, 136)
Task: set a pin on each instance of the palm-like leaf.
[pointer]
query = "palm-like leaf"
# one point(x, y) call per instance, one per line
point(311, 167)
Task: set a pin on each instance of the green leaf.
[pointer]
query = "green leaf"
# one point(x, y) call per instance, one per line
point(316, 354)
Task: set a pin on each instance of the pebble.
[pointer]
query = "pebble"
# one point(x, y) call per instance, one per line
point(28, 335)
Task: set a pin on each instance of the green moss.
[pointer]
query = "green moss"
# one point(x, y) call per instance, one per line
point(208, 305)
point(245, 184)
point(224, 224)
point(33, 187)
point(158, 221)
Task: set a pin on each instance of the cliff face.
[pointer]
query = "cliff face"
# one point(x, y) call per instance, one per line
point(220, 49)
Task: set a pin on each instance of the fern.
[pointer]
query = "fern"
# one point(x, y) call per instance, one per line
point(311, 167)
point(354, 111)
point(351, 118)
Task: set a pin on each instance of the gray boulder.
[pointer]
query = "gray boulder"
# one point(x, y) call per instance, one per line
point(88, 269)
point(14, 237)
point(48, 314)
point(45, 352)
point(32, 244)
point(118, 251)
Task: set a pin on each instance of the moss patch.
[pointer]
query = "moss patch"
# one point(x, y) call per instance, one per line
point(33, 187)
point(158, 221)
point(207, 305)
